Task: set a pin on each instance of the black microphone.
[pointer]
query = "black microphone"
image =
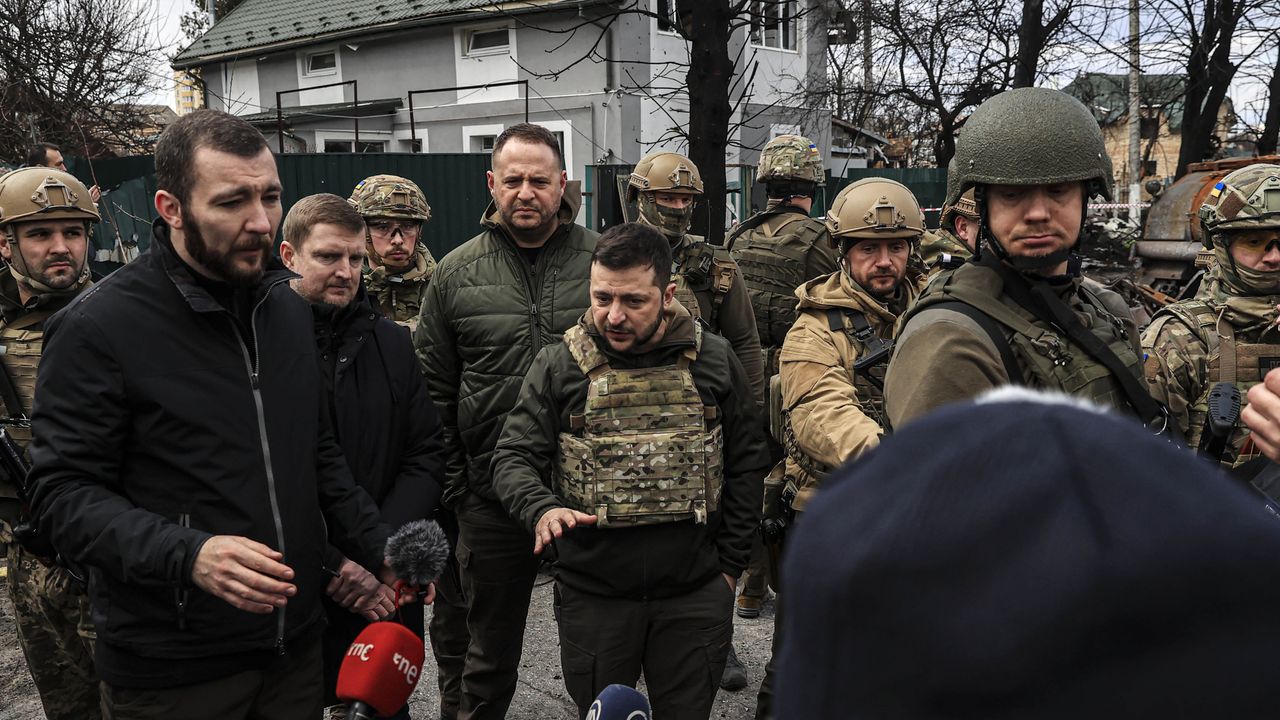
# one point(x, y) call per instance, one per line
point(417, 552)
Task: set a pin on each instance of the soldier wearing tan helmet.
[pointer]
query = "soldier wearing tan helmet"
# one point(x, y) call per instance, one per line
point(778, 249)
point(399, 266)
point(46, 217)
point(1019, 312)
point(1228, 333)
point(665, 187)
point(833, 359)
point(953, 242)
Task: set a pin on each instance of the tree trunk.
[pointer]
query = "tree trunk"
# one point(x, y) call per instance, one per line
point(1271, 123)
point(1030, 40)
point(708, 80)
point(944, 146)
point(1208, 76)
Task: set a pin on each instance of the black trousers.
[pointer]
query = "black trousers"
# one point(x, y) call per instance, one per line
point(289, 688)
point(498, 570)
point(680, 644)
point(448, 628)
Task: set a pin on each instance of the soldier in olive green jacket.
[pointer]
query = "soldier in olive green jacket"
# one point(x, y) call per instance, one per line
point(1019, 313)
point(492, 304)
point(634, 452)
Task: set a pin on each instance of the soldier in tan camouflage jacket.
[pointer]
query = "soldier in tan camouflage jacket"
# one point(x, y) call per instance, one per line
point(1227, 333)
point(45, 242)
point(400, 265)
point(834, 357)
point(957, 235)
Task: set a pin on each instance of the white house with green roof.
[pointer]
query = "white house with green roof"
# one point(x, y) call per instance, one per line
point(300, 66)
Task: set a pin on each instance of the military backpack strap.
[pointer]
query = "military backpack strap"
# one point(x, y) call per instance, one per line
point(1226, 352)
point(9, 394)
point(876, 348)
point(757, 220)
point(993, 331)
point(721, 283)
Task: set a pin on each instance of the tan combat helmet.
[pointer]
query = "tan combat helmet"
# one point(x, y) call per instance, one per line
point(39, 193)
point(664, 172)
point(390, 196)
point(874, 208)
point(965, 206)
point(790, 158)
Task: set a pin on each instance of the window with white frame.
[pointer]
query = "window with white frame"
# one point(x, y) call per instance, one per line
point(318, 64)
point(774, 24)
point(668, 21)
point(491, 41)
point(346, 146)
point(482, 143)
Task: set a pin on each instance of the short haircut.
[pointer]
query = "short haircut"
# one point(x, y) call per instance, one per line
point(532, 134)
point(39, 153)
point(321, 209)
point(177, 146)
point(633, 245)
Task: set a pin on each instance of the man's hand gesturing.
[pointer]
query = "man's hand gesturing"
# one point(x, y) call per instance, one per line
point(244, 573)
point(555, 523)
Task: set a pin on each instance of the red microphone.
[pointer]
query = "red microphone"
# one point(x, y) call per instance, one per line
point(380, 670)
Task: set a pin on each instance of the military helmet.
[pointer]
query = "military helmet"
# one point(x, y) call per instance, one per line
point(790, 158)
point(390, 196)
point(41, 193)
point(1032, 136)
point(1246, 199)
point(666, 172)
point(874, 208)
point(965, 206)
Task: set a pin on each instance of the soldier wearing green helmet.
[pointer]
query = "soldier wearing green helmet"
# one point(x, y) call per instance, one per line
point(399, 265)
point(778, 249)
point(1227, 333)
point(1019, 313)
point(953, 242)
point(46, 216)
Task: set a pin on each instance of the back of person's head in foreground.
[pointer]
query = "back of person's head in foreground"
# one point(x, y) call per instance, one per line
point(1043, 560)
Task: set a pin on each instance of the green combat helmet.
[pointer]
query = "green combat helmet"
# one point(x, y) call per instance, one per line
point(390, 196)
point(874, 208)
point(665, 172)
point(790, 165)
point(41, 193)
point(1031, 136)
point(1246, 199)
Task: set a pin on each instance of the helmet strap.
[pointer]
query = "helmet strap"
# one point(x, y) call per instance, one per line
point(1023, 263)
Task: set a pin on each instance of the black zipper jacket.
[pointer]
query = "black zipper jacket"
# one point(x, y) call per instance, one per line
point(161, 420)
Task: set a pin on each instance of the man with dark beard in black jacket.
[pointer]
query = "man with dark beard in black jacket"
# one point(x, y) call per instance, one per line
point(183, 452)
point(386, 424)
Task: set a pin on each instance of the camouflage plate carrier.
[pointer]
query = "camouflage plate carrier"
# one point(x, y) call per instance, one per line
point(1244, 364)
point(773, 256)
point(649, 450)
point(700, 267)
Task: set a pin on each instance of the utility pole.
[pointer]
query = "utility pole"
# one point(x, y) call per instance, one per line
point(1135, 116)
point(213, 12)
point(866, 45)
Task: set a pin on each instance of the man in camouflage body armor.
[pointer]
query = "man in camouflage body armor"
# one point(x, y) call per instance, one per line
point(834, 357)
point(953, 242)
point(635, 455)
point(1228, 333)
point(665, 186)
point(1018, 312)
point(778, 249)
point(400, 265)
point(44, 238)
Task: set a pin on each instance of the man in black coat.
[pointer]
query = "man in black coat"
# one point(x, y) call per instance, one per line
point(386, 424)
point(183, 452)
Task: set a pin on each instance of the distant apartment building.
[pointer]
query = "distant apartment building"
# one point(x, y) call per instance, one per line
point(187, 93)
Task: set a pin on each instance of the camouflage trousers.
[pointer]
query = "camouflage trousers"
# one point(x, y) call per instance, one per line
point(56, 633)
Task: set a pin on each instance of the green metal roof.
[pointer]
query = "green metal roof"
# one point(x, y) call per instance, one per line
point(258, 25)
point(1108, 95)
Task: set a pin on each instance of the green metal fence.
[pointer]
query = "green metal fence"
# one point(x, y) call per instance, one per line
point(453, 182)
point(929, 185)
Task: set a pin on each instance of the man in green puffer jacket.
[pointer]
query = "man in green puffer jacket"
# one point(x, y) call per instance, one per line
point(492, 304)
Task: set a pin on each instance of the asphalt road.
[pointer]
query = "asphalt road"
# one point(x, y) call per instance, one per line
point(540, 694)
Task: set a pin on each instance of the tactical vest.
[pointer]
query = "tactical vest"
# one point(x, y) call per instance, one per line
point(1046, 358)
point(867, 372)
point(645, 449)
point(773, 258)
point(1244, 364)
point(21, 357)
point(700, 270)
point(399, 297)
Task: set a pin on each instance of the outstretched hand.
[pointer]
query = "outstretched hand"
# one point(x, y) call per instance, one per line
point(555, 523)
